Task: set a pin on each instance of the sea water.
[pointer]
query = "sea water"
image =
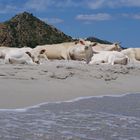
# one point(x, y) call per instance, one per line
point(90, 118)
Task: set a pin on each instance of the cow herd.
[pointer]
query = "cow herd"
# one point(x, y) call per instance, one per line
point(82, 50)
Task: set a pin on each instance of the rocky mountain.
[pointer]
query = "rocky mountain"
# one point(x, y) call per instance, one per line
point(26, 30)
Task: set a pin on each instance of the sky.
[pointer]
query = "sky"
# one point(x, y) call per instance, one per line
point(112, 20)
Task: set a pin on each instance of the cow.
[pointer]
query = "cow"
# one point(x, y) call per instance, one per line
point(109, 57)
point(5, 50)
point(59, 51)
point(18, 57)
point(66, 51)
point(106, 47)
point(52, 51)
point(133, 54)
point(21, 55)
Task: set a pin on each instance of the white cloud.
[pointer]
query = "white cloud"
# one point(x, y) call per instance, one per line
point(94, 17)
point(96, 4)
point(7, 8)
point(130, 3)
point(38, 5)
point(131, 16)
point(136, 16)
point(42, 5)
point(66, 3)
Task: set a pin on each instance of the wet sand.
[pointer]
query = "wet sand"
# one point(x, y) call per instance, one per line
point(27, 85)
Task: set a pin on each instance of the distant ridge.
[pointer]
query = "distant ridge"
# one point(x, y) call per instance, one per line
point(26, 30)
point(94, 39)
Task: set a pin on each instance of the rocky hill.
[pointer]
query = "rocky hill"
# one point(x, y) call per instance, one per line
point(26, 30)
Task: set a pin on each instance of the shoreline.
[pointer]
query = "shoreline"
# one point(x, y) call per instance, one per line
point(23, 86)
point(24, 109)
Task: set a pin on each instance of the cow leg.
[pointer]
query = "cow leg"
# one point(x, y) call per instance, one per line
point(111, 59)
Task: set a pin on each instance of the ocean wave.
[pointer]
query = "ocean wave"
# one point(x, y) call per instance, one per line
point(68, 101)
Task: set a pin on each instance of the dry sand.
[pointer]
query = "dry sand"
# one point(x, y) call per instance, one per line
point(27, 85)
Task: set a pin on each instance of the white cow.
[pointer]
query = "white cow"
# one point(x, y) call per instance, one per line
point(59, 51)
point(5, 50)
point(109, 57)
point(106, 47)
point(18, 57)
point(132, 53)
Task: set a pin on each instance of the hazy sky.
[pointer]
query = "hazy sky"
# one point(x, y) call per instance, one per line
point(112, 20)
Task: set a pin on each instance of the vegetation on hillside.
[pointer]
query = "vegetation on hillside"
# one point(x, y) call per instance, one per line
point(26, 30)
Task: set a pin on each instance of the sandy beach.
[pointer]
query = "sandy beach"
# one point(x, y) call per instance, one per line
point(27, 85)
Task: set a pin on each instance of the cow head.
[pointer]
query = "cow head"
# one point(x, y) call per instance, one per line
point(81, 52)
point(80, 41)
point(32, 57)
point(36, 56)
point(117, 47)
point(83, 42)
point(88, 53)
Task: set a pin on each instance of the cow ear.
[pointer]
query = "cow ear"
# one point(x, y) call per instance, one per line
point(76, 42)
point(28, 54)
point(94, 44)
point(42, 51)
point(82, 42)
